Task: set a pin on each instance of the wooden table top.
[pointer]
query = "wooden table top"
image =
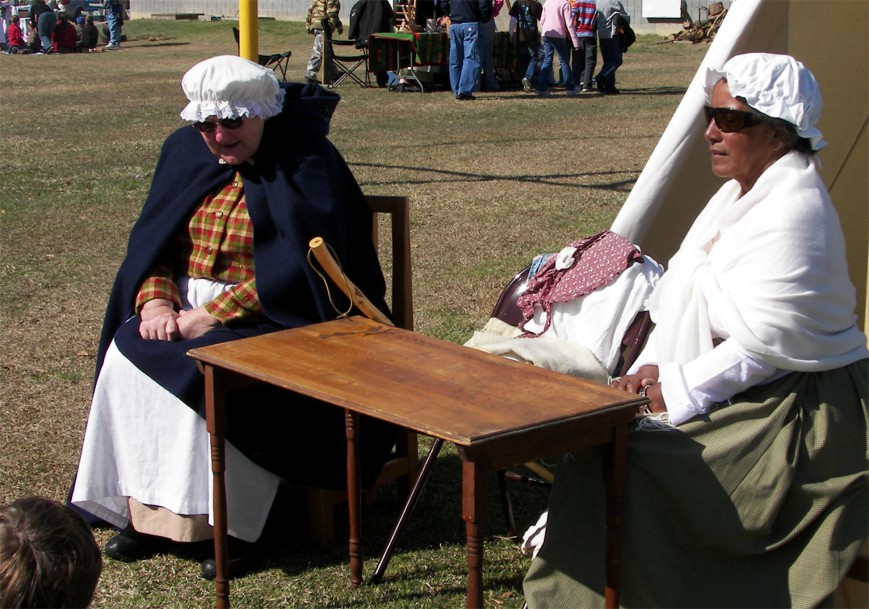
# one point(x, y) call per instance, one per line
point(431, 386)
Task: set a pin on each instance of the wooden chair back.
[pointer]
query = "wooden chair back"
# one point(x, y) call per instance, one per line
point(398, 210)
point(395, 258)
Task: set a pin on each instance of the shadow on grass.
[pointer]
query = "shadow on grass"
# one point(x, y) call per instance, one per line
point(559, 92)
point(435, 522)
point(153, 45)
point(679, 91)
point(441, 176)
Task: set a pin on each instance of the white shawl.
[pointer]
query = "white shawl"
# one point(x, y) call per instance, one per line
point(776, 279)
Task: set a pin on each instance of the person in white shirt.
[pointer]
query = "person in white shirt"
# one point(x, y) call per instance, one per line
point(747, 477)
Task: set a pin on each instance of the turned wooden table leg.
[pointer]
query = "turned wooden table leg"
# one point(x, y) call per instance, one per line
point(615, 493)
point(354, 499)
point(474, 495)
point(215, 421)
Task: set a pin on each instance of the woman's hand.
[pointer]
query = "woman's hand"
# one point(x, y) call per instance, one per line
point(196, 322)
point(643, 382)
point(159, 320)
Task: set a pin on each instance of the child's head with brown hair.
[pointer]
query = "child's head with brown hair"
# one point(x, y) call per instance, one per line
point(48, 555)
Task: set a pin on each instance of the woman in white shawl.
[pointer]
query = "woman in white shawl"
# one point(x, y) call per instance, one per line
point(747, 482)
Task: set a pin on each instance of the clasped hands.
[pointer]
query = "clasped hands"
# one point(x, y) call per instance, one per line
point(645, 383)
point(160, 321)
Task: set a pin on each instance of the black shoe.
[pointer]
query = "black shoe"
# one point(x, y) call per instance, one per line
point(243, 557)
point(129, 546)
point(465, 97)
point(611, 91)
point(601, 86)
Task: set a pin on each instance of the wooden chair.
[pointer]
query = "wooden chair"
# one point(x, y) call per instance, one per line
point(507, 311)
point(342, 59)
point(404, 464)
point(276, 61)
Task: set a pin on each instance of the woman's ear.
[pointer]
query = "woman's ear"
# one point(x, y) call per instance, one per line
point(779, 141)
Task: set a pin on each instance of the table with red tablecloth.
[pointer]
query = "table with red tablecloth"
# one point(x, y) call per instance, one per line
point(405, 52)
point(394, 51)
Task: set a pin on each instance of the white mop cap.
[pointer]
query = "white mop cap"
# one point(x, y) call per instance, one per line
point(230, 87)
point(776, 85)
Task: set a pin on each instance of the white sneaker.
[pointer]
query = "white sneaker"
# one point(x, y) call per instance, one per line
point(110, 47)
point(526, 85)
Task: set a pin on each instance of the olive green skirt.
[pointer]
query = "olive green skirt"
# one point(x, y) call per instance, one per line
point(763, 502)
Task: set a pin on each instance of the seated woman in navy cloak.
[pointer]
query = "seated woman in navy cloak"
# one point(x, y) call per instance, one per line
point(219, 253)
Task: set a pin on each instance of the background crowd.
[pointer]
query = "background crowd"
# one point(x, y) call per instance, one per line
point(569, 29)
point(52, 27)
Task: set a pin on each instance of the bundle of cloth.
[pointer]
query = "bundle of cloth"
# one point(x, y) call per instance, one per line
point(577, 306)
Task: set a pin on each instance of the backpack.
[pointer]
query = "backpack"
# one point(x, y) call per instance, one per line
point(627, 36)
point(526, 22)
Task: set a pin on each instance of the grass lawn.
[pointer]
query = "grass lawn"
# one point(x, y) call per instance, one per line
point(493, 182)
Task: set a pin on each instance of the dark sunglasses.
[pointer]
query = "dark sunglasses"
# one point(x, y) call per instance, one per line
point(728, 120)
point(225, 123)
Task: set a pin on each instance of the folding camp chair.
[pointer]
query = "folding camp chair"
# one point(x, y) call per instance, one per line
point(276, 61)
point(343, 60)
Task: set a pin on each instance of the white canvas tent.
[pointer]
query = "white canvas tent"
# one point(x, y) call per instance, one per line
point(830, 38)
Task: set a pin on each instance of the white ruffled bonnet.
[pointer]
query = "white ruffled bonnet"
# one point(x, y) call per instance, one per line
point(230, 87)
point(776, 85)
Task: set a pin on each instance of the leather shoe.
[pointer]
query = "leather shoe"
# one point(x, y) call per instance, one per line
point(128, 546)
point(243, 557)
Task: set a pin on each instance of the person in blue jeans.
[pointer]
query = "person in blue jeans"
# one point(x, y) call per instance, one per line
point(465, 19)
point(43, 19)
point(610, 14)
point(114, 19)
point(557, 27)
point(526, 14)
point(486, 42)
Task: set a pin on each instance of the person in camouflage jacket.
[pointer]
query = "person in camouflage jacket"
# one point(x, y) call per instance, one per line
point(319, 11)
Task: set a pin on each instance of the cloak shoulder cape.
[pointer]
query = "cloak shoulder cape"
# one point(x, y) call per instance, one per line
point(297, 187)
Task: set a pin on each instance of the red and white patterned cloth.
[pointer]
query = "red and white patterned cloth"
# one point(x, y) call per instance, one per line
point(596, 262)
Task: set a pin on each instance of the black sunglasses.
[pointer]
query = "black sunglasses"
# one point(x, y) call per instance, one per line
point(225, 123)
point(728, 120)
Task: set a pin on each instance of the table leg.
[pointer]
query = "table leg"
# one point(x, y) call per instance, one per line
point(215, 422)
point(615, 493)
point(474, 495)
point(406, 511)
point(354, 500)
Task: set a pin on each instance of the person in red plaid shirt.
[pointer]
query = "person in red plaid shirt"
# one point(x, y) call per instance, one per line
point(220, 253)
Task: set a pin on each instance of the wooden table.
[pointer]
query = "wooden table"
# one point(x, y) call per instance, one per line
point(496, 411)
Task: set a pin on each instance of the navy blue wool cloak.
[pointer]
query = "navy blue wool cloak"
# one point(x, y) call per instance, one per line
point(297, 187)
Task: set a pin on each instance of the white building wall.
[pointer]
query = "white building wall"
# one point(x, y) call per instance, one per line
point(297, 9)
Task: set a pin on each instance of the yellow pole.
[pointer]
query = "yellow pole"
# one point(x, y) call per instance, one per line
point(248, 43)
